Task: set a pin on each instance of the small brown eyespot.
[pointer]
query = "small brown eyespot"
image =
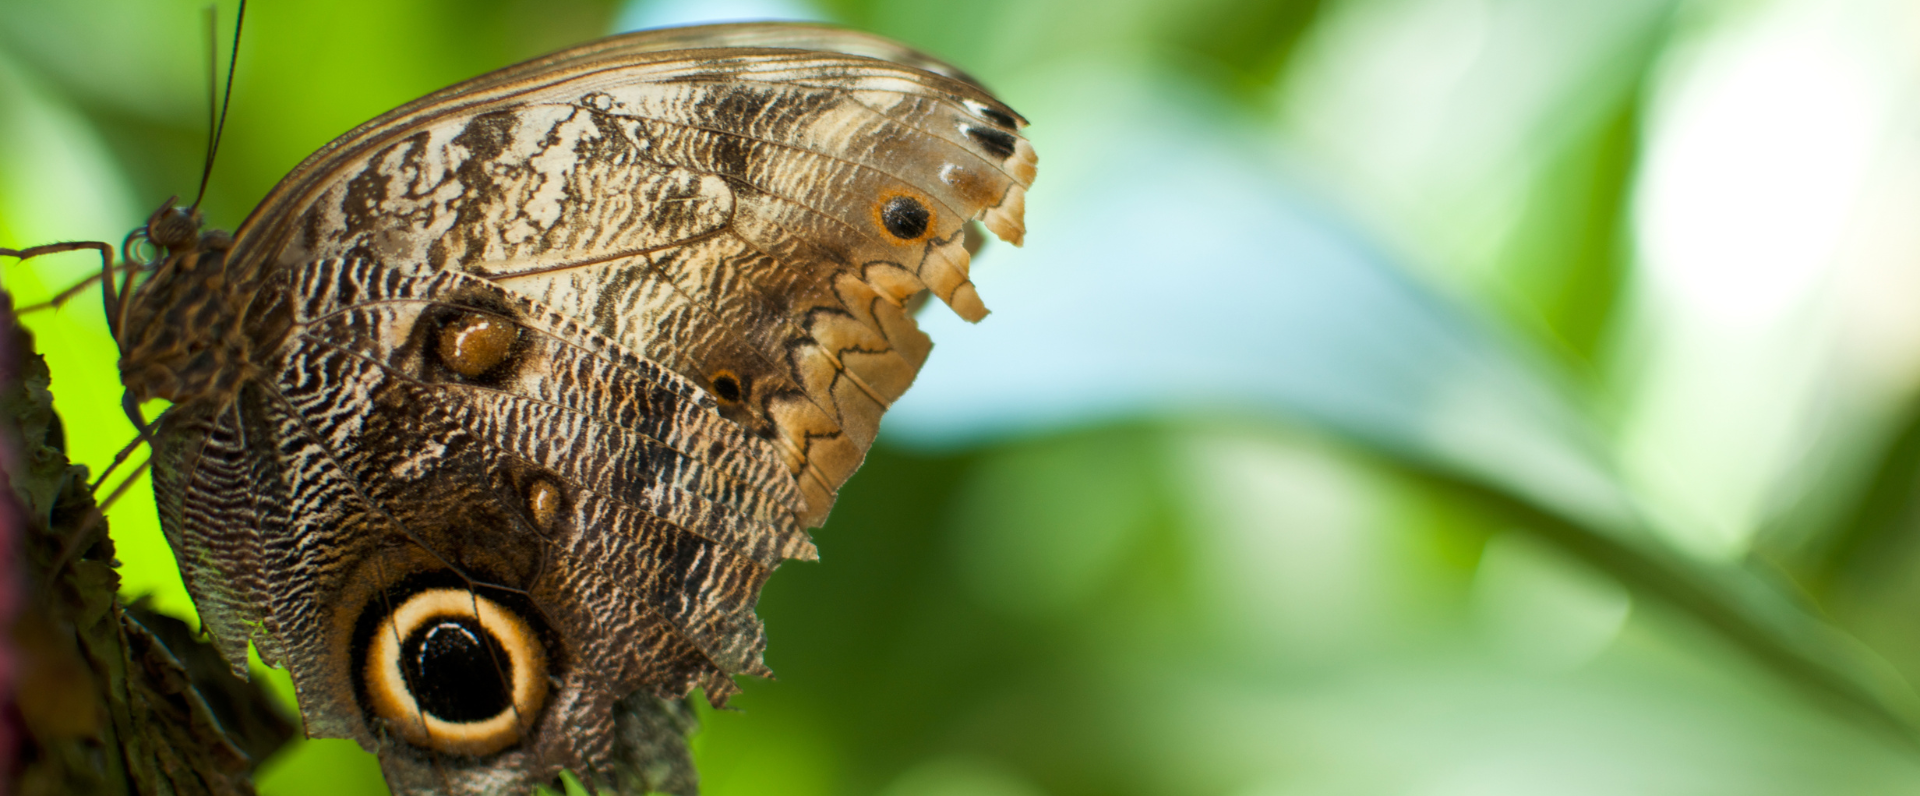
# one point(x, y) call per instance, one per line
point(455, 672)
point(543, 503)
point(474, 344)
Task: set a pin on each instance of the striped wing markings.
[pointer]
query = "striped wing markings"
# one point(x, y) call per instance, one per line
point(820, 397)
point(711, 509)
point(218, 519)
point(729, 455)
point(801, 462)
point(1021, 174)
point(851, 458)
point(666, 556)
point(354, 477)
point(814, 279)
point(942, 267)
point(325, 167)
point(330, 291)
point(759, 183)
point(320, 552)
point(734, 618)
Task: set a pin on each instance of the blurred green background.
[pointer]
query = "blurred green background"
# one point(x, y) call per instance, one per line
point(1432, 397)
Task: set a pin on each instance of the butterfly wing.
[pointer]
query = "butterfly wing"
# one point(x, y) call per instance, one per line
point(555, 367)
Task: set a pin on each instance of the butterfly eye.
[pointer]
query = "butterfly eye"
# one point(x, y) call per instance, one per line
point(455, 672)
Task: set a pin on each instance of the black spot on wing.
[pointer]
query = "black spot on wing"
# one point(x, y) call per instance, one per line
point(998, 143)
point(999, 117)
point(904, 217)
point(730, 388)
point(457, 670)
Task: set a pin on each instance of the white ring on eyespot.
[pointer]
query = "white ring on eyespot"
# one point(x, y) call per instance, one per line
point(387, 686)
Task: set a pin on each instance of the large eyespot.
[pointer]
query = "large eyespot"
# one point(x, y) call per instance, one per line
point(455, 672)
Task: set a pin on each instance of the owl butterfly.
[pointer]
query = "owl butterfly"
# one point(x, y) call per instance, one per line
point(490, 422)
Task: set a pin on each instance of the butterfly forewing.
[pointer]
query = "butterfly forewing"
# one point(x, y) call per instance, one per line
point(550, 369)
point(614, 172)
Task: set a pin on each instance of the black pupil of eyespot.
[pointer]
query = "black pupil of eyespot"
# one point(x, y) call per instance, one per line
point(726, 388)
point(905, 217)
point(457, 671)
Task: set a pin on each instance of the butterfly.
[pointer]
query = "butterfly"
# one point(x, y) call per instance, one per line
point(490, 422)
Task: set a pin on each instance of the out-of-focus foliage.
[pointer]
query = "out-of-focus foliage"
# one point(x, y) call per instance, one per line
point(1394, 396)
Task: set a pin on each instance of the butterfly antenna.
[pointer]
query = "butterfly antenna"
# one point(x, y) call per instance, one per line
point(218, 121)
point(213, 79)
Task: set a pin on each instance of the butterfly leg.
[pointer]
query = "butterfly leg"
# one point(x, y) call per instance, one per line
point(116, 305)
point(132, 408)
point(106, 267)
point(105, 250)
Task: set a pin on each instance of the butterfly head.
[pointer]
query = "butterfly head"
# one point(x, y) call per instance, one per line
point(173, 228)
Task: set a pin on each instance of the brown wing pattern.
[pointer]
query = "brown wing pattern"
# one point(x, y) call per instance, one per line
point(551, 369)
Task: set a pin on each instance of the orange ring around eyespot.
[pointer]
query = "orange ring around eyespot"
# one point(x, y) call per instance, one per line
point(393, 701)
point(879, 209)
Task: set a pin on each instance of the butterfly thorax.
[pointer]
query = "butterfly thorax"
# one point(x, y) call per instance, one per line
point(181, 331)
